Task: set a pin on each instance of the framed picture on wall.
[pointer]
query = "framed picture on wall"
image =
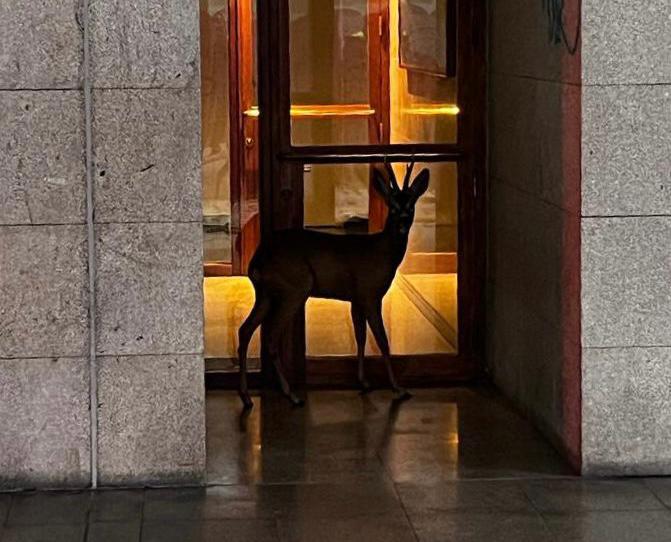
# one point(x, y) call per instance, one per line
point(428, 36)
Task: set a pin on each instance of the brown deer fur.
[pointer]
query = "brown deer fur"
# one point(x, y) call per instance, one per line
point(297, 264)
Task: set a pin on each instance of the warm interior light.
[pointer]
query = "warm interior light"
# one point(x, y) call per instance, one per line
point(312, 111)
point(433, 109)
point(412, 329)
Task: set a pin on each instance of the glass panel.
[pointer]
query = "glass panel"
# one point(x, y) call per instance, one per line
point(228, 301)
point(336, 197)
point(423, 99)
point(329, 72)
point(339, 71)
point(215, 130)
point(329, 130)
point(420, 309)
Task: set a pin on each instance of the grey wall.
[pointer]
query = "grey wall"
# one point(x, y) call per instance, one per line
point(533, 351)
point(626, 229)
point(120, 79)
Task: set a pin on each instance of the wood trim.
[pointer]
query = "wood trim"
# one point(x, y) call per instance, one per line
point(236, 158)
point(280, 183)
point(472, 126)
point(247, 238)
point(378, 74)
point(424, 152)
point(218, 269)
point(430, 262)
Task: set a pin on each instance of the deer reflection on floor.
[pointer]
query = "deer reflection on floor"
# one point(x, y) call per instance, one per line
point(359, 268)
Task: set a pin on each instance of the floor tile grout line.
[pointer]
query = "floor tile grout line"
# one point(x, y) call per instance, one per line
point(405, 511)
point(142, 508)
point(654, 493)
point(5, 520)
point(537, 510)
point(87, 526)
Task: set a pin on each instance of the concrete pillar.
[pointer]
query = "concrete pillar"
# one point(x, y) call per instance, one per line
point(144, 71)
point(44, 297)
point(626, 230)
point(104, 103)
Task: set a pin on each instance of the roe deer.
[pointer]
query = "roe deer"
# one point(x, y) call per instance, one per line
point(297, 264)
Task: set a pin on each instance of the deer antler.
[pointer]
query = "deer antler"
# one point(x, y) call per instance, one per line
point(408, 174)
point(392, 176)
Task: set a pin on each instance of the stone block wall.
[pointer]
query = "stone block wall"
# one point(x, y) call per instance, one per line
point(626, 230)
point(533, 350)
point(100, 302)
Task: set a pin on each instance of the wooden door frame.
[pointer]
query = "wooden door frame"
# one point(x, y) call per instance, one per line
point(243, 128)
point(281, 193)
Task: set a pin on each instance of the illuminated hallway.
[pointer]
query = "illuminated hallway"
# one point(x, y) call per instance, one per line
point(420, 312)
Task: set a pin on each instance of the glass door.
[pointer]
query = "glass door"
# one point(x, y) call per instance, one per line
point(302, 99)
point(345, 86)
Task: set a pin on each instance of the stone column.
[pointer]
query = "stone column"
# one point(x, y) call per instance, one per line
point(144, 72)
point(626, 228)
point(533, 323)
point(100, 149)
point(44, 290)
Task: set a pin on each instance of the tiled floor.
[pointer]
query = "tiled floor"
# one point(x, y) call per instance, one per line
point(450, 465)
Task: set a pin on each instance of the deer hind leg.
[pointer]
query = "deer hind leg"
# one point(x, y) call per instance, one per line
point(359, 322)
point(374, 316)
point(247, 329)
point(283, 313)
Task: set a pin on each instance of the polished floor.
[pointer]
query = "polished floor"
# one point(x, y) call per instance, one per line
point(448, 465)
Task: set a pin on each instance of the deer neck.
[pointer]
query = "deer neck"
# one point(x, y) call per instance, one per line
point(397, 243)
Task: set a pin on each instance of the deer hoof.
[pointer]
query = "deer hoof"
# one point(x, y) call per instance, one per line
point(247, 402)
point(401, 394)
point(365, 387)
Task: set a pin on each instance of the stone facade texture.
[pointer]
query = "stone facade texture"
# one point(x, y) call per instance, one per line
point(144, 105)
point(626, 229)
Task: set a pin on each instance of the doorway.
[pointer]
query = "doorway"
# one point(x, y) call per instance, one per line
point(301, 99)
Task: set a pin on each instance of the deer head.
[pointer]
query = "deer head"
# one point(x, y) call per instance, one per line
point(400, 201)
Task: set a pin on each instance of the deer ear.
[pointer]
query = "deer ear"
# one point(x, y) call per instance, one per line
point(381, 184)
point(420, 184)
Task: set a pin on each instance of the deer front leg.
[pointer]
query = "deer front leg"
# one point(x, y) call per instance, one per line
point(374, 316)
point(359, 322)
